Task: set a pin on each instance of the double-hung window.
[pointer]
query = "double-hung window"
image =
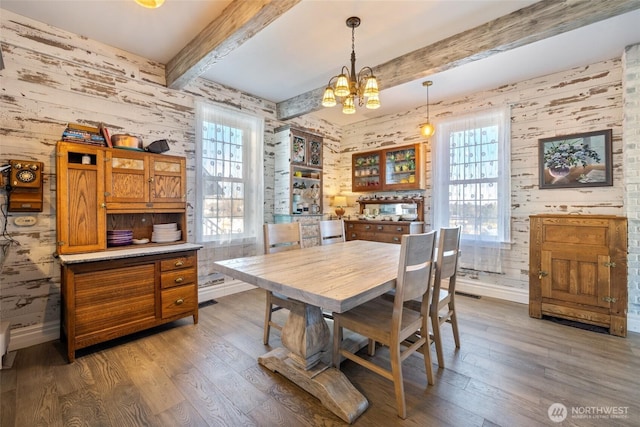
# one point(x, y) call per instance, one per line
point(472, 184)
point(229, 176)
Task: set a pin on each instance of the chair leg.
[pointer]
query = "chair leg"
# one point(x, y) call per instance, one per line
point(337, 343)
point(453, 319)
point(267, 319)
point(396, 370)
point(435, 324)
point(371, 348)
point(426, 352)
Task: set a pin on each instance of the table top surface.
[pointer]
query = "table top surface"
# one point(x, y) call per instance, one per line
point(335, 277)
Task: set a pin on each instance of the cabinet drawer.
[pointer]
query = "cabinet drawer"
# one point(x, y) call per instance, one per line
point(180, 277)
point(178, 262)
point(178, 300)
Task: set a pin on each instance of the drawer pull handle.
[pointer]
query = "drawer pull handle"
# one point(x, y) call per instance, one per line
point(179, 263)
point(379, 227)
point(179, 301)
point(367, 227)
point(179, 280)
point(396, 239)
point(398, 228)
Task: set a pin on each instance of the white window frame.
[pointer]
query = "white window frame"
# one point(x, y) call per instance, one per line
point(444, 154)
point(252, 174)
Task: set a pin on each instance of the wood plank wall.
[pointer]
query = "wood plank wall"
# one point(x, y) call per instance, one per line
point(52, 77)
point(578, 100)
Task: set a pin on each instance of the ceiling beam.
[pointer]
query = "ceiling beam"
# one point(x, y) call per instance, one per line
point(240, 21)
point(541, 20)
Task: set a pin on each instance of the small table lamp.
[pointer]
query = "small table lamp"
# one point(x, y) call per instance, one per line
point(339, 201)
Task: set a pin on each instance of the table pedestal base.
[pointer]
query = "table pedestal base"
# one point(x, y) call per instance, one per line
point(327, 384)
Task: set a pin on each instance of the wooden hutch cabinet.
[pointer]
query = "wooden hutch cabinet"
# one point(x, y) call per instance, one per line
point(578, 269)
point(108, 292)
point(391, 169)
point(298, 180)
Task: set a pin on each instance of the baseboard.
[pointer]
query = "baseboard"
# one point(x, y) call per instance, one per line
point(475, 287)
point(227, 288)
point(633, 323)
point(34, 334)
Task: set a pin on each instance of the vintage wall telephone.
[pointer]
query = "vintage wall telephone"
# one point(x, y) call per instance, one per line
point(25, 186)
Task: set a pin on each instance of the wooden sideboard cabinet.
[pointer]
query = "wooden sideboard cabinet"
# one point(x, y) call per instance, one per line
point(578, 269)
point(106, 295)
point(381, 231)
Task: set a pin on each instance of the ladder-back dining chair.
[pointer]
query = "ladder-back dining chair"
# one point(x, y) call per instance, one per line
point(278, 238)
point(331, 231)
point(443, 300)
point(390, 323)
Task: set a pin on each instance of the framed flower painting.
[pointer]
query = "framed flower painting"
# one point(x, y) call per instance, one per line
point(575, 161)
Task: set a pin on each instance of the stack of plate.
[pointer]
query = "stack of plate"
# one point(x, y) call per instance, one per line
point(119, 237)
point(164, 233)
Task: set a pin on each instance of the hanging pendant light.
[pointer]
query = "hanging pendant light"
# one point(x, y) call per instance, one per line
point(427, 129)
point(151, 4)
point(348, 85)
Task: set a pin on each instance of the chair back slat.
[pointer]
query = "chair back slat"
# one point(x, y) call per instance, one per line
point(331, 231)
point(447, 259)
point(414, 267)
point(282, 237)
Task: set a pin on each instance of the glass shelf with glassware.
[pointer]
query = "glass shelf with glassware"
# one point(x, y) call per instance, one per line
point(398, 168)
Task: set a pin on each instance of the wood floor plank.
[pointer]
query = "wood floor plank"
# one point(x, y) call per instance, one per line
point(508, 372)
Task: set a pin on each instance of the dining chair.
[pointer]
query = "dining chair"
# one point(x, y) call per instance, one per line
point(331, 231)
point(446, 268)
point(278, 238)
point(389, 322)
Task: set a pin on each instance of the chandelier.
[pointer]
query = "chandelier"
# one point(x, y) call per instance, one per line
point(348, 85)
point(151, 4)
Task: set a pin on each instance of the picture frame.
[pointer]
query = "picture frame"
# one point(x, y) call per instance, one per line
point(576, 160)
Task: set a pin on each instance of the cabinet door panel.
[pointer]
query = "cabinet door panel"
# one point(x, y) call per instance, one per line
point(81, 217)
point(168, 184)
point(111, 298)
point(575, 277)
point(127, 178)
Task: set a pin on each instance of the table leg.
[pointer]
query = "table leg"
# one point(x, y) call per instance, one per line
point(306, 337)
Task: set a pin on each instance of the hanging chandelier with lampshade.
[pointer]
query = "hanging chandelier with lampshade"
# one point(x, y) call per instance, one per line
point(427, 129)
point(347, 86)
point(151, 4)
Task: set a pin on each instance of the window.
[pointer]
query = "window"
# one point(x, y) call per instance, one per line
point(472, 182)
point(229, 175)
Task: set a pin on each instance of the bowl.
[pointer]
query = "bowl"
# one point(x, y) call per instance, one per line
point(126, 141)
point(409, 217)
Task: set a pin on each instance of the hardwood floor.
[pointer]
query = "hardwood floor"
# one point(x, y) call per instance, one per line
point(509, 371)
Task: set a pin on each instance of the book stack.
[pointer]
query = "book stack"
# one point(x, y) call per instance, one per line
point(83, 134)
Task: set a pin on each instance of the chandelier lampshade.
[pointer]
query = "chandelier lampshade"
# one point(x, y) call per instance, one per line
point(151, 4)
point(347, 86)
point(427, 129)
point(348, 105)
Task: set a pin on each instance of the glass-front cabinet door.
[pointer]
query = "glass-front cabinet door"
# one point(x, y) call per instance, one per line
point(400, 168)
point(367, 171)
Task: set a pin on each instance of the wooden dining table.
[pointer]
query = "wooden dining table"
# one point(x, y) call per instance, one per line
point(332, 278)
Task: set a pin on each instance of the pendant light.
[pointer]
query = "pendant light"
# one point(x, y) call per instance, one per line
point(427, 129)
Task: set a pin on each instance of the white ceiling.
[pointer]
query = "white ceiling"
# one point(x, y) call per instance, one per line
point(302, 49)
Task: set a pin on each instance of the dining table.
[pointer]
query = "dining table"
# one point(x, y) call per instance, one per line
point(330, 278)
